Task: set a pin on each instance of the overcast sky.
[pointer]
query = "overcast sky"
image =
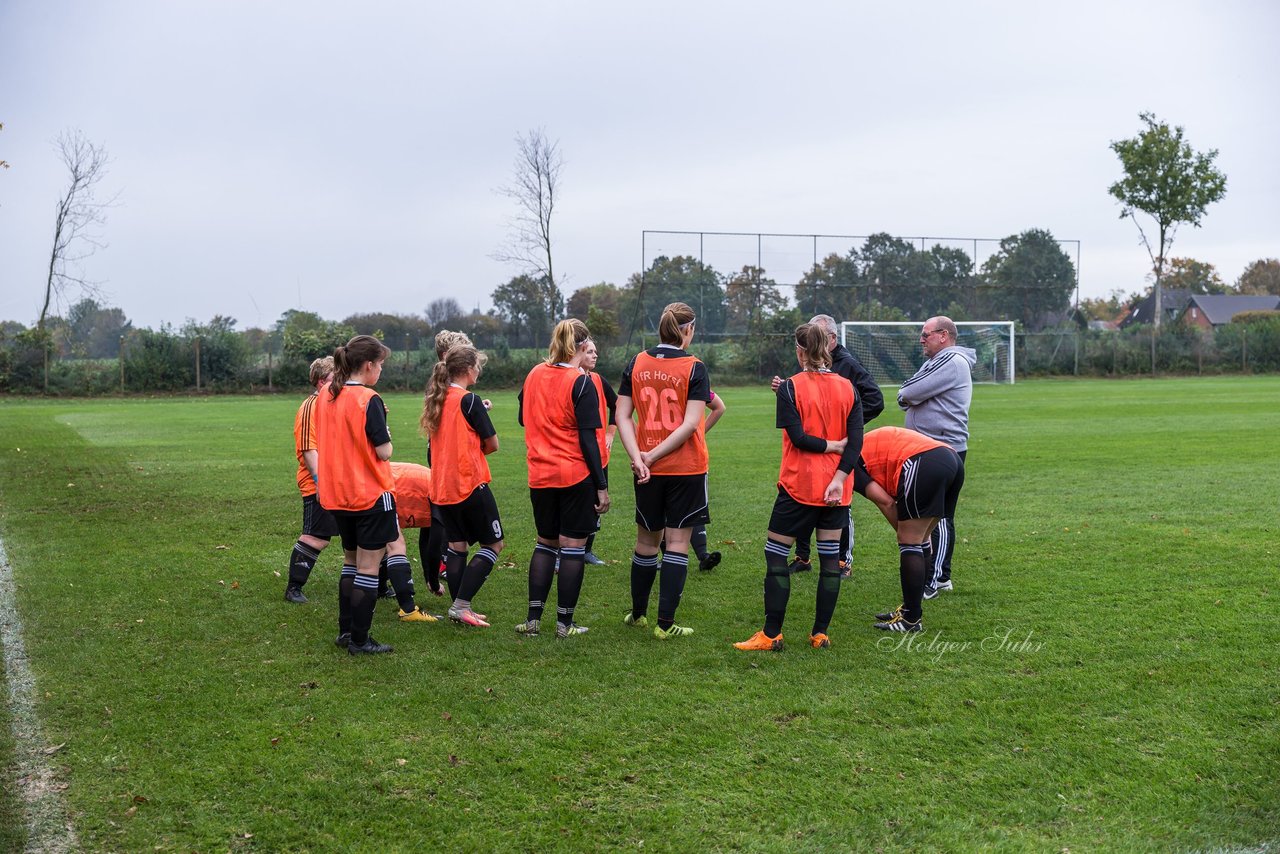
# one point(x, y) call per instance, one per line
point(343, 157)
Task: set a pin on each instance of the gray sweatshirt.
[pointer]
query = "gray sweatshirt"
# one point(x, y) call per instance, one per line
point(937, 397)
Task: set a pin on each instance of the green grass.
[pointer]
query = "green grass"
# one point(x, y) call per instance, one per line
point(1120, 535)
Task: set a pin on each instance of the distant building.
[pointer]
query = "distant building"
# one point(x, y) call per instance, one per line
point(1172, 302)
point(1209, 310)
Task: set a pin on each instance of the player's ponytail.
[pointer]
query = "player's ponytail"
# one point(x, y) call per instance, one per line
point(456, 362)
point(676, 319)
point(566, 338)
point(812, 341)
point(351, 357)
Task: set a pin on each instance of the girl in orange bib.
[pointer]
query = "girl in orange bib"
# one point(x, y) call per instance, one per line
point(457, 424)
point(560, 413)
point(668, 391)
point(355, 485)
point(821, 417)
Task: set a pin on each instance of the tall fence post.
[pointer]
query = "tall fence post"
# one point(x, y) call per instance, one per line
point(270, 386)
point(197, 363)
point(121, 357)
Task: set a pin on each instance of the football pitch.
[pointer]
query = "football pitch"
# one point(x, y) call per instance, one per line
point(1103, 677)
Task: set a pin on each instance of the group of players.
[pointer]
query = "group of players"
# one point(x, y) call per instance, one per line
point(662, 410)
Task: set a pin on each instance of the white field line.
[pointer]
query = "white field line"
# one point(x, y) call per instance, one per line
point(48, 828)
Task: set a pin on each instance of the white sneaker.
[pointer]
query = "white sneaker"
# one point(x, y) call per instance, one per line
point(932, 592)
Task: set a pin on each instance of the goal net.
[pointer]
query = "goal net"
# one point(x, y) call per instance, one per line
point(891, 351)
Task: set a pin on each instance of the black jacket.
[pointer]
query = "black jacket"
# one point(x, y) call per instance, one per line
point(847, 365)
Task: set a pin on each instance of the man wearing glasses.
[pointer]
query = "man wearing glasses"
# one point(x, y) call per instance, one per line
point(936, 401)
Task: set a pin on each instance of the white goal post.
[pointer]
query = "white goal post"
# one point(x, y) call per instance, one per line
point(891, 350)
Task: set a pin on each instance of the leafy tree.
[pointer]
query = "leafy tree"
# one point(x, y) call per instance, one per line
point(483, 329)
point(1260, 278)
point(603, 296)
point(223, 351)
point(93, 330)
point(1165, 178)
point(395, 330)
point(307, 336)
point(1028, 279)
point(751, 299)
point(1194, 276)
point(603, 324)
point(1111, 307)
point(831, 287)
point(679, 279)
point(444, 314)
point(529, 307)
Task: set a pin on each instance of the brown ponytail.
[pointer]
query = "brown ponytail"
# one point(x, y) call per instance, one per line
point(675, 317)
point(812, 341)
point(348, 359)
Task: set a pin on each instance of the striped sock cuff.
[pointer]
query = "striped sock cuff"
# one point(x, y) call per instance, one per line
point(674, 559)
point(910, 548)
point(644, 560)
point(367, 582)
point(488, 554)
point(829, 548)
point(573, 551)
point(543, 547)
point(448, 553)
point(306, 550)
point(772, 546)
point(348, 570)
point(397, 560)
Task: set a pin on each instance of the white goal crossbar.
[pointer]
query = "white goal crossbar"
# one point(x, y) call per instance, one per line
point(890, 350)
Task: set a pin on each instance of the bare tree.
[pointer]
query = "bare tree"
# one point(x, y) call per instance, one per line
point(80, 215)
point(535, 188)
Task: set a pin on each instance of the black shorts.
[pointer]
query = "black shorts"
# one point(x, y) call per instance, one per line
point(474, 519)
point(793, 519)
point(930, 484)
point(672, 501)
point(369, 529)
point(316, 521)
point(564, 511)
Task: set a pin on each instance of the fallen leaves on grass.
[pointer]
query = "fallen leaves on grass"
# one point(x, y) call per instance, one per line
point(49, 751)
point(453, 760)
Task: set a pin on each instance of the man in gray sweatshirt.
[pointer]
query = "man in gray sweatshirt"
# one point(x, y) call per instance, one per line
point(936, 401)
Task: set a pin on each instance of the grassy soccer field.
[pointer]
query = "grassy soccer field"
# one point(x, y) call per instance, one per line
point(1103, 677)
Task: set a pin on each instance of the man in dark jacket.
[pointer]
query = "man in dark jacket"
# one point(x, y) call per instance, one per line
point(846, 365)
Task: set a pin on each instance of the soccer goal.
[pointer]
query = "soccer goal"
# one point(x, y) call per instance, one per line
point(891, 350)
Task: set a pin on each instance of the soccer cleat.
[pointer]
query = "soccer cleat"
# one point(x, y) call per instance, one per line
point(710, 562)
point(294, 595)
point(387, 593)
point(889, 615)
point(820, 641)
point(760, 641)
point(563, 631)
point(529, 628)
point(467, 617)
point(639, 622)
point(673, 632)
point(799, 565)
point(369, 647)
point(900, 623)
point(417, 615)
point(343, 640)
point(591, 560)
point(932, 592)
point(846, 570)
